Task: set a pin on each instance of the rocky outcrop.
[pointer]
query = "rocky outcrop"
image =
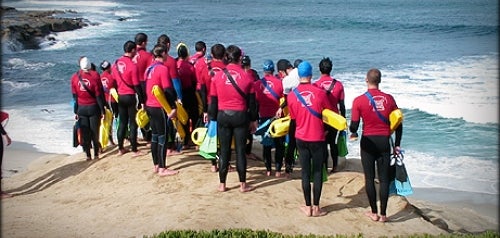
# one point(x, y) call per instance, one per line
point(27, 29)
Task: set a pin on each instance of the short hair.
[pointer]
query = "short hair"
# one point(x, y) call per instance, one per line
point(233, 54)
point(218, 51)
point(374, 76)
point(283, 65)
point(140, 38)
point(246, 61)
point(158, 50)
point(325, 66)
point(182, 51)
point(163, 39)
point(200, 45)
point(129, 46)
point(297, 62)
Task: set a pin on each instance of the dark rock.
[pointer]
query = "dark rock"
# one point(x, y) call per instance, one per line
point(29, 28)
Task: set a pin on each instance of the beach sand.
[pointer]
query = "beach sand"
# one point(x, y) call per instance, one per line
point(120, 196)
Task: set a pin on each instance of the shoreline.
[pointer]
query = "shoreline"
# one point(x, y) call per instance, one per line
point(112, 191)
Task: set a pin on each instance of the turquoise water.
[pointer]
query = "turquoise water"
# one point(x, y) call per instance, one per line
point(439, 59)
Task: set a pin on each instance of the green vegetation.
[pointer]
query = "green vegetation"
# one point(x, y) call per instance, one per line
point(247, 233)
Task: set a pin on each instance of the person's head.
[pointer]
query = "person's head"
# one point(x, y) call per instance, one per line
point(284, 67)
point(268, 66)
point(105, 65)
point(297, 62)
point(129, 48)
point(218, 51)
point(233, 54)
point(165, 40)
point(159, 51)
point(325, 66)
point(85, 64)
point(93, 67)
point(182, 51)
point(305, 71)
point(141, 39)
point(246, 62)
point(200, 46)
point(373, 77)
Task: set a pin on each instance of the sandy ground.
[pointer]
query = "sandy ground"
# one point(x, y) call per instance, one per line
point(120, 196)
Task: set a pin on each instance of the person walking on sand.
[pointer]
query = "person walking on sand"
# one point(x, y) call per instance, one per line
point(306, 102)
point(375, 140)
point(8, 141)
point(157, 74)
point(233, 104)
point(124, 71)
point(86, 87)
point(335, 92)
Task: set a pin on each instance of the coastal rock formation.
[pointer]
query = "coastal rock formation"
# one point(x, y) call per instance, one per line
point(27, 29)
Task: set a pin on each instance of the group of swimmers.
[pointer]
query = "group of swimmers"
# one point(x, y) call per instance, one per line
point(223, 87)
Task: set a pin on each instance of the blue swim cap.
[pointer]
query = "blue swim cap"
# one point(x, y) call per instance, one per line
point(304, 69)
point(268, 65)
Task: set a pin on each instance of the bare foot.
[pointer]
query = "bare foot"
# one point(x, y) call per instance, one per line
point(156, 169)
point(6, 195)
point(231, 169)
point(372, 216)
point(277, 174)
point(245, 188)
point(88, 159)
point(306, 210)
point(222, 187)
point(268, 173)
point(122, 151)
point(138, 153)
point(173, 152)
point(317, 212)
point(167, 172)
point(383, 219)
point(251, 156)
point(214, 168)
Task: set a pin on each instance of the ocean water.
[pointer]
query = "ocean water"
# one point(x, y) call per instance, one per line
point(439, 59)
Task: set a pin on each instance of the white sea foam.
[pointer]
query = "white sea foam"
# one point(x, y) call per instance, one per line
point(466, 88)
point(458, 173)
point(47, 127)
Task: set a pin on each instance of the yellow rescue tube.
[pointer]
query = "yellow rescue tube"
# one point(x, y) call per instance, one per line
point(334, 119)
point(395, 118)
point(182, 114)
point(114, 93)
point(105, 128)
point(198, 135)
point(158, 93)
point(279, 127)
point(141, 118)
point(285, 109)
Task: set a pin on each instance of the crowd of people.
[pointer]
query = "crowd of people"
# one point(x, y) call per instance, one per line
point(221, 85)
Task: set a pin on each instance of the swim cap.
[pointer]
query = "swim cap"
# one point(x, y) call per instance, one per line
point(105, 64)
point(85, 64)
point(268, 65)
point(305, 69)
point(283, 64)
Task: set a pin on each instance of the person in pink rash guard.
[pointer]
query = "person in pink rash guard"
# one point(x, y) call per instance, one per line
point(306, 102)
